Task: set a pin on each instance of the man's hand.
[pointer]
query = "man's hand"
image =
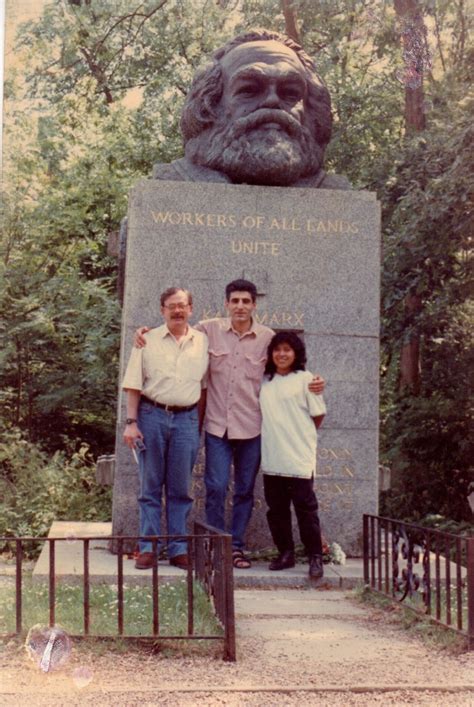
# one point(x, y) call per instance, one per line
point(318, 421)
point(130, 435)
point(317, 385)
point(139, 340)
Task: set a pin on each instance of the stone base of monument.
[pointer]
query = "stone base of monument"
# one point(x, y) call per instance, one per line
point(103, 565)
point(314, 256)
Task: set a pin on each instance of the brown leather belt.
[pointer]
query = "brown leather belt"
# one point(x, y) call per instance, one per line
point(169, 408)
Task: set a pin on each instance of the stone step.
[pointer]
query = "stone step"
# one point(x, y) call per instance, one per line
point(103, 565)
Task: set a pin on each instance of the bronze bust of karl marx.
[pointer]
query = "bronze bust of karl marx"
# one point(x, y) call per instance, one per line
point(258, 113)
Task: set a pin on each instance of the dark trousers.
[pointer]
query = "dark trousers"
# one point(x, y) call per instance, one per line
point(280, 491)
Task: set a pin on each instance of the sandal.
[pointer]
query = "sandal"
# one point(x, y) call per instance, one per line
point(239, 560)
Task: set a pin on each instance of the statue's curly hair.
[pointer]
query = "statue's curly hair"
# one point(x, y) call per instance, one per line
point(201, 106)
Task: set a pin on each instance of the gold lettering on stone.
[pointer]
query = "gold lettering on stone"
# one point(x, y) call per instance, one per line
point(324, 453)
point(187, 218)
point(298, 319)
point(253, 221)
point(198, 469)
point(273, 318)
point(333, 226)
point(255, 247)
point(331, 488)
point(335, 462)
point(284, 225)
point(261, 318)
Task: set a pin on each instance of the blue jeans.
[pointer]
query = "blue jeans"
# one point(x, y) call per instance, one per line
point(172, 443)
point(220, 452)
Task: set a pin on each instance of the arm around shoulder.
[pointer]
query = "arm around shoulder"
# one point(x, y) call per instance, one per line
point(317, 385)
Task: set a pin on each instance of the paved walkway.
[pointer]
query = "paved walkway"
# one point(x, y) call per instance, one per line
point(295, 647)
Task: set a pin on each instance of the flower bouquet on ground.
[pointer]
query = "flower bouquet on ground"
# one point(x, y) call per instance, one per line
point(333, 553)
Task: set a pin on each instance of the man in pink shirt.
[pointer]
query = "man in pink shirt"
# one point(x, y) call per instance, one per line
point(237, 355)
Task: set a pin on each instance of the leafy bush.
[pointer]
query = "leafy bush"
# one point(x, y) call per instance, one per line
point(36, 489)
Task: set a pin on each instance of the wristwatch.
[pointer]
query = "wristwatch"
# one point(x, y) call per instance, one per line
point(130, 420)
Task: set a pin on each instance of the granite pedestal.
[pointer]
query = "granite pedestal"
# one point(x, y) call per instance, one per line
point(314, 255)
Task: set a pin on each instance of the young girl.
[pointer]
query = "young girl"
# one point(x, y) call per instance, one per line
point(291, 415)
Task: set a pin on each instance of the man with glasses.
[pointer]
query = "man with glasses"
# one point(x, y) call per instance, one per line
point(163, 383)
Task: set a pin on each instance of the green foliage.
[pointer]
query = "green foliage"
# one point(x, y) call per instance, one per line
point(36, 488)
point(59, 339)
point(427, 222)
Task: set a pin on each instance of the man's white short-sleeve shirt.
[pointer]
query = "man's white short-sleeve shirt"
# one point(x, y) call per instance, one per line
point(168, 371)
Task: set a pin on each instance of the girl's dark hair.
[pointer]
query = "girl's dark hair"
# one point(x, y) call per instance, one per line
point(293, 340)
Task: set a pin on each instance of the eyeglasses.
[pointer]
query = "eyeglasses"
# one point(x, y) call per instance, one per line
point(178, 305)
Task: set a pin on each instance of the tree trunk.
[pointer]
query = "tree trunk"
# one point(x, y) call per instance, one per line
point(416, 59)
point(289, 13)
point(410, 367)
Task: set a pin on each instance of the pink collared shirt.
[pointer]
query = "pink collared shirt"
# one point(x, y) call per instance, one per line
point(236, 365)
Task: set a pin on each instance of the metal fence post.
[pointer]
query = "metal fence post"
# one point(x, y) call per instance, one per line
point(366, 548)
point(229, 629)
point(18, 583)
point(52, 583)
point(86, 590)
point(470, 592)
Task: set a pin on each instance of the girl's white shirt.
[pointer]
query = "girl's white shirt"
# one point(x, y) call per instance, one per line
point(289, 437)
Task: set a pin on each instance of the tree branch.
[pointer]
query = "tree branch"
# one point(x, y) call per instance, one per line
point(130, 16)
point(289, 13)
point(438, 38)
point(98, 74)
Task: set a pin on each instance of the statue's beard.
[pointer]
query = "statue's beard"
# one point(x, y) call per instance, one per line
point(267, 147)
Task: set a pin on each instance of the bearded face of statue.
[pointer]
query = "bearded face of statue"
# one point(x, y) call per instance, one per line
point(262, 135)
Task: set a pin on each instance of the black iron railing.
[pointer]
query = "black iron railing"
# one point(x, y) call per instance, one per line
point(214, 569)
point(209, 563)
point(430, 570)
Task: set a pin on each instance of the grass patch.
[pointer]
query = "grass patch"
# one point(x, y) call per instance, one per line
point(138, 609)
point(409, 619)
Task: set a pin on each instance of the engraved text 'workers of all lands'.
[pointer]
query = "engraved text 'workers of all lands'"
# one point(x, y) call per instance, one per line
point(255, 222)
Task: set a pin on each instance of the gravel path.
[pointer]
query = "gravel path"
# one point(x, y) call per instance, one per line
point(294, 648)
